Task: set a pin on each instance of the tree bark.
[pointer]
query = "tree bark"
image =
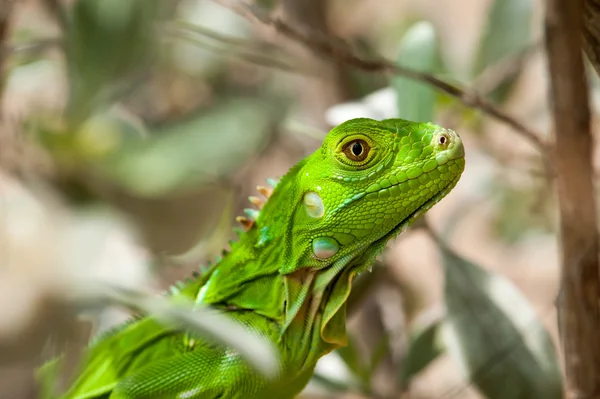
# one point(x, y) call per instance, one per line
point(579, 312)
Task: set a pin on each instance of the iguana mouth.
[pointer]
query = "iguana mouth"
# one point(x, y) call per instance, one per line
point(410, 219)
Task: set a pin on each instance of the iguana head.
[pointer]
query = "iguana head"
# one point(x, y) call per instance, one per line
point(371, 179)
point(328, 218)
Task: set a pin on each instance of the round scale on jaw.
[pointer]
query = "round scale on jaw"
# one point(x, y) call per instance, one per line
point(314, 205)
point(325, 247)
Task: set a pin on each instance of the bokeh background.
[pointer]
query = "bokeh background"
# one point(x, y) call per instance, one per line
point(132, 133)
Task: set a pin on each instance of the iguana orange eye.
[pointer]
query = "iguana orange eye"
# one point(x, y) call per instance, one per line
point(357, 150)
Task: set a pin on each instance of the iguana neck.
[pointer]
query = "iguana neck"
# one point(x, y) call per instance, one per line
point(268, 274)
point(250, 277)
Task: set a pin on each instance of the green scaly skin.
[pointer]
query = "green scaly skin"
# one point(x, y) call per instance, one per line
point(289, 276)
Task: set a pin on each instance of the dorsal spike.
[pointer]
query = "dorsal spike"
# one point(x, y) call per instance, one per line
point(245, 222)
point(265, 191)
point(224, 252)
point(252, 213)
point(256, 201)
point(272, 182)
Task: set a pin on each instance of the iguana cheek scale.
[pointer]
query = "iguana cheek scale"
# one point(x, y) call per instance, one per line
point(289, 275)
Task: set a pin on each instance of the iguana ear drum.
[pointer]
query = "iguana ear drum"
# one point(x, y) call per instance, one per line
point(314, 205)
point(325, 247)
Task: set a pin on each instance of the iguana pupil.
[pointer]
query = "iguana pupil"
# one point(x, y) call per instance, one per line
point(357, 150)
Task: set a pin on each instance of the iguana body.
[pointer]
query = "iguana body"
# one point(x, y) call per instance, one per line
point(288, 276)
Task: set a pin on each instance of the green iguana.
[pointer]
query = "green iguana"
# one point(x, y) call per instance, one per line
point(289, 275)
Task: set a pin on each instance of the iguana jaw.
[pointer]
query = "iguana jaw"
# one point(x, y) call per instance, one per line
point(410, 219)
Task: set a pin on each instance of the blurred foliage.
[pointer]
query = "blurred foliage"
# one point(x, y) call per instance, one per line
point(507, 33)
point(496, 335)
point(424, 346)
point(418, 50)
point(108, 43)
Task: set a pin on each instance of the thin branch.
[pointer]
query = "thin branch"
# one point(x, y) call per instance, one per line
point(231, 46)
point(340, 51)
point(580, 310)
point(32, 48)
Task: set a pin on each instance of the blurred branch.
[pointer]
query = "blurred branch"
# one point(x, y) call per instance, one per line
point(313, 15)
point(339, 50)
point(34, 47)
point(579, 313)
point(238, 48)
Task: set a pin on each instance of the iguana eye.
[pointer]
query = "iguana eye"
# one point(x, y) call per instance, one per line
point(357, 150)
point(443, 139)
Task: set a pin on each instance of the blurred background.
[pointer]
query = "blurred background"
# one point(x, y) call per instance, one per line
point(132, 133)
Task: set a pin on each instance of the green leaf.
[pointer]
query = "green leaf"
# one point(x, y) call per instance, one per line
point(108, 42)
point(209, 323)
point(192, 152)
point(508, 31)
point(363, 285)
point(351, 357)
point(418, 51)
point(496, 335)
point(424, 346)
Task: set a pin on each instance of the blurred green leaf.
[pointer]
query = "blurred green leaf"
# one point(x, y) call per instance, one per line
point(350, 355)
point(108, 42)
point(380, 350)
point(424, 346)
point(205, 322)
point(508, 31)
point(192, 152)
point(496, 335)
point(362, 286)
point(418, 51)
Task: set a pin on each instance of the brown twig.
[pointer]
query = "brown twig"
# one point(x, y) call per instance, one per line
point(580, 310)
point(338, 50)
point(232, 46)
